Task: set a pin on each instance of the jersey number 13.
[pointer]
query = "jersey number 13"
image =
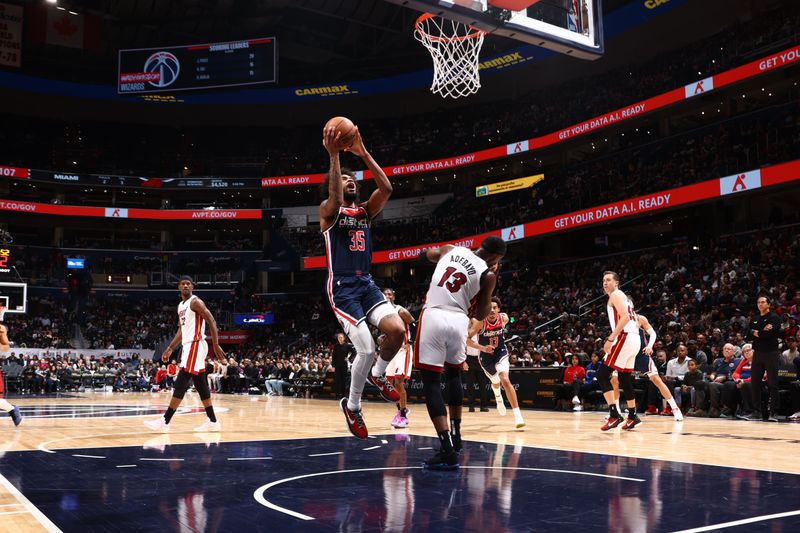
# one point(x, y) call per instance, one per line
point(458, 279)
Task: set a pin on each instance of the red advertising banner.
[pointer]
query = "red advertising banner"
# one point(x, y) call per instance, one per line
point(745, 181)
point(288, 181)
point(765, 64)
point(625, 113)
point(15, 172)
point(118, 212)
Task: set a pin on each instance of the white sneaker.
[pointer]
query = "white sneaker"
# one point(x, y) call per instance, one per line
point(520, 423)
point(678, 415)
point(208, 427)
point(795, 416)
point(577, 408)
point(157, 424)
point(501, 407)
point(576, 400)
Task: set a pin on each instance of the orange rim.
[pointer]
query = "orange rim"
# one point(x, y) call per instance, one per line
point(426, 16)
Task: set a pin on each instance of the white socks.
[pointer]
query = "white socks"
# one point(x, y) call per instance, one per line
point(672, 403)
point(358, 377)
point(5, 406)
point(379, 368)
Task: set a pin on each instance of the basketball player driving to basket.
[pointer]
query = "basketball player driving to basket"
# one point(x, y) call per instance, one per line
point(354, 297)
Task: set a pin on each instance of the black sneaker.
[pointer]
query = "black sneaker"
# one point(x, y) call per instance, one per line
point(471, 409)
point(442, 461)
point(16, 416)
point(484, 409)
point(458, 447)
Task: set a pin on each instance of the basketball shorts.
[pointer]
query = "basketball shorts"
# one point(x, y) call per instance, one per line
point(441, 339)
point(493, 364)
point(623, 352)
point(357, 298)
point(400, 365)
point(2, 386)
point(644, 363)
point(193, 357)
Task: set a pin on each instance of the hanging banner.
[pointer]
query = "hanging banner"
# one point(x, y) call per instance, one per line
point(508, 186)
point(10, 35)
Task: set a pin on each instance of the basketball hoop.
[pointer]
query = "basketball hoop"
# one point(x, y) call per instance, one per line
point(454, 48)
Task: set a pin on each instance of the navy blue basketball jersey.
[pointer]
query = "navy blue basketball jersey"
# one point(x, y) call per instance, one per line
point(494, 334)
point(349, 242)
point(642, 341)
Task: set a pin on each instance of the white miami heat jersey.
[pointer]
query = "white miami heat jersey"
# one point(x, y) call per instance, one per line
point(456, 280)
point(633, 324)
point(193, 327)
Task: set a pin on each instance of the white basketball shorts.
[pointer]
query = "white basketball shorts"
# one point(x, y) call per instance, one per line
point(441, 339)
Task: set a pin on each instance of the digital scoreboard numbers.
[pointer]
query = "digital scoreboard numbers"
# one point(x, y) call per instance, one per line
point(200, 66)
point(5, 259)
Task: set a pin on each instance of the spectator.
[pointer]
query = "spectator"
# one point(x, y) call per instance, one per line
point(574, 377)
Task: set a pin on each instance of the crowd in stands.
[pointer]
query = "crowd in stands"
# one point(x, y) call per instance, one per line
point(753, 140)
point(700, 299)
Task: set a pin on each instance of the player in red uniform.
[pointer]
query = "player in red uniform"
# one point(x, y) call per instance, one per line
point(5, 348)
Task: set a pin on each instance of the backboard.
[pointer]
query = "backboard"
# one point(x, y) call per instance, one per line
point(14, 296)
point(571, 27)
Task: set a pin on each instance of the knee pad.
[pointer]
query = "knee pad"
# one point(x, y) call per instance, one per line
point(201, 384)
point(455, 392)
point(626, 382)
point(604, 378)
point(432, 386)
point(361, 338)
point(181, 384)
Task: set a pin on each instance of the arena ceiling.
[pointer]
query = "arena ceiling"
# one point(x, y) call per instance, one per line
point(318, 40)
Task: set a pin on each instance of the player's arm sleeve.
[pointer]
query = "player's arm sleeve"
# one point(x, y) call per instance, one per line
point(651, 337)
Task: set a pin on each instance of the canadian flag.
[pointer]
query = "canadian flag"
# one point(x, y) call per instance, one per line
point(61, 27)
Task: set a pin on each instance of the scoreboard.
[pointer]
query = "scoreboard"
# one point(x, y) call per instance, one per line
point(5, 259)
point(200, 66)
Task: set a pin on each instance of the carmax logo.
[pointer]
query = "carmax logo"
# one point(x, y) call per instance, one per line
point(504, 61)
point(330, 90)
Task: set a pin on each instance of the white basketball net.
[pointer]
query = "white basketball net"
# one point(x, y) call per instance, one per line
point(454, 48)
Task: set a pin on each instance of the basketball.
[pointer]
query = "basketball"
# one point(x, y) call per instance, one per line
point(345, 128)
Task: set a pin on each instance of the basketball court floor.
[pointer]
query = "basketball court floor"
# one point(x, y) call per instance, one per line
point(85, 462)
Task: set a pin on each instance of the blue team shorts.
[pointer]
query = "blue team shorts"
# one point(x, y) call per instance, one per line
point(353, 297)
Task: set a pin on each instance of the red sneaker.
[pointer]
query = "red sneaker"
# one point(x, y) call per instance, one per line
point(387, 390)
point(630, 423)
point(612, 422)
point(667, 411)
point(354, 420)
point(651, 410)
